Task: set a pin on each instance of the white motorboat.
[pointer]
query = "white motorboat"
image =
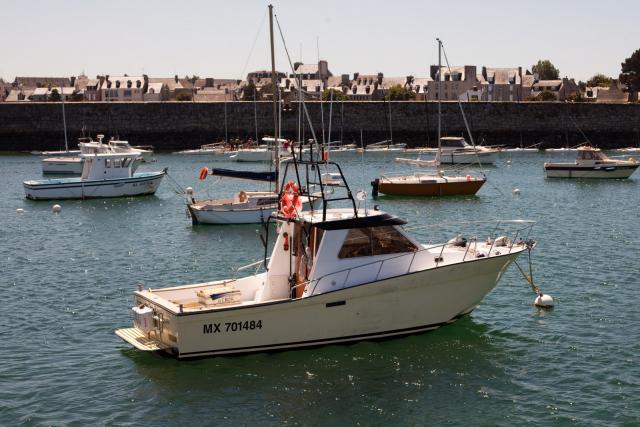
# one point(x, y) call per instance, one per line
point(62, 165)
point(335, 275)
point(103, 175)
point(118, 146)
point(592, 163)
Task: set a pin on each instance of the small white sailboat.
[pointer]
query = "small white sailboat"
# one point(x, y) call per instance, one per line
point(385, 147)
point(216, 149)
point(62, 162)
point(104, 174)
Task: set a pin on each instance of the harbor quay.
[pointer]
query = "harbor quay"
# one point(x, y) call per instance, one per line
point(180, 125)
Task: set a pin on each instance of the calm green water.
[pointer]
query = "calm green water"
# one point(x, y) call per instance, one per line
point(67, 281)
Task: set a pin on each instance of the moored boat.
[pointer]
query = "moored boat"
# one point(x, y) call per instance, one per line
point(437, 183)
point(592, 163)
point(335, 275)
point(103, 175)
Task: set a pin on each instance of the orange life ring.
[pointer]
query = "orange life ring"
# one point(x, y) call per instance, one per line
point(291, 188)
point(290, 200)
point(203, 173)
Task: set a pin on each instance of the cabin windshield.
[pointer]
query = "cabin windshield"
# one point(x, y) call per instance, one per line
point(590, 155)
point(371, 241)
point(454, 143)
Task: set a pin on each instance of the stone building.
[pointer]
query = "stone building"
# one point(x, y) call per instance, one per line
point(124, 88)
point(34, 82)
point(561, 89)
point(5, 88)
point(501, 84)
point(173, 87)
point(613, 94)
point(319, 71)
point(454, 81)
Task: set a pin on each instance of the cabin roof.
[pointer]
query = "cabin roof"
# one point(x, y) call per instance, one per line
point(341, 219)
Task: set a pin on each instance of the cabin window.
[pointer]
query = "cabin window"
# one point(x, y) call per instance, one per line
point(116, 163)
point(371, 241)
point(107, 163)
point(125, 163)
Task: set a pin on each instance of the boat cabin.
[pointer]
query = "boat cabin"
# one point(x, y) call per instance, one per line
point(316, 257)
point(101, 166)
point(590, 155)
point(453, 142)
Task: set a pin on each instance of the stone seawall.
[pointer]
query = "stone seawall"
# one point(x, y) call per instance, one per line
point(177, 125)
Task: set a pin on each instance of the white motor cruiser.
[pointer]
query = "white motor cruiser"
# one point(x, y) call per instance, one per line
point(118, 146)
point(334, 275)
point(592, 163)
point(104, 174)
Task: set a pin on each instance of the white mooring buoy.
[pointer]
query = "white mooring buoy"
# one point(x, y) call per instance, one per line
point(508, 162)
point(543, 301)
point(19, 210)
point(56, 208)
point(516, 191)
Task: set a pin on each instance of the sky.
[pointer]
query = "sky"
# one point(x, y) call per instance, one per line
point(227, 39)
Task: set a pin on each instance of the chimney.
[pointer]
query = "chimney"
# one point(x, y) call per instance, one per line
point(175, 78)
point(208, 82)
point(380, 76)
point(355, 76)
point(344, 79)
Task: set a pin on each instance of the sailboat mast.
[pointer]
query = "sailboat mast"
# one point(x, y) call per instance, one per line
point(274, 84)
point(439, 105)
point(64, 124)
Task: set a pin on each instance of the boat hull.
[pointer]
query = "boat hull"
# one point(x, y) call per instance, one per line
point(460, 188)
point(226, 216)
point(63, 165)
point(75, 188)
point(402, 305)
point(576, 171)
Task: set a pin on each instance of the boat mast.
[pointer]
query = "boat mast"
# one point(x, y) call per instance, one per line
point(64, 124)
point(438, 154)
point(274, 82)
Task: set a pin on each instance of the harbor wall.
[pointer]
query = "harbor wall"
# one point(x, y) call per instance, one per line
point(178, 125)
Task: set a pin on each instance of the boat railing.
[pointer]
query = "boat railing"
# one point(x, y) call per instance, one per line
point(257, 264)
point(404, 263)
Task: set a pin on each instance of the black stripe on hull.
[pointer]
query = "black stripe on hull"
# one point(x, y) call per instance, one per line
point(88, 184)
point(590, 168)
point(321, 342)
